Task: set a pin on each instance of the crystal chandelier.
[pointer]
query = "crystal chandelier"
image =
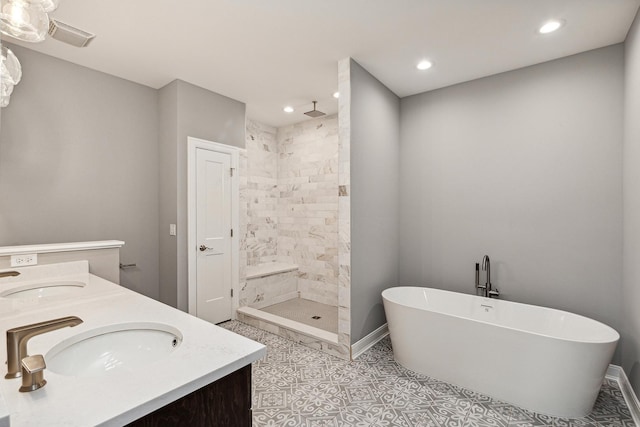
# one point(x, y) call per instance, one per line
point(10, 74)
point(26, 20)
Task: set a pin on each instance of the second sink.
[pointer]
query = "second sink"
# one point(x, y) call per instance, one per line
point(118, 348)
point(40, 290)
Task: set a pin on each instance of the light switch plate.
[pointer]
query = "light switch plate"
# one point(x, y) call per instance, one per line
point(172, 229)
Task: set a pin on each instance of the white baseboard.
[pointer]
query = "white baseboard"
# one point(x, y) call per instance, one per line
point(369, 341)
point(616, 373)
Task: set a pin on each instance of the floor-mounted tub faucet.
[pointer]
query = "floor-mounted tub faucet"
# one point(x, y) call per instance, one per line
point(486, 266)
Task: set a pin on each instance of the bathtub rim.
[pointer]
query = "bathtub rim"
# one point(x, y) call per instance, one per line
point(616, 334)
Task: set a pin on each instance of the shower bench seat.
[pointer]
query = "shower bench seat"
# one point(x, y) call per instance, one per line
point(269, 268)
point(269, 283)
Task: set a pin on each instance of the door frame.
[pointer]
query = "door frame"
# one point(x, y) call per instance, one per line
point(193, 145)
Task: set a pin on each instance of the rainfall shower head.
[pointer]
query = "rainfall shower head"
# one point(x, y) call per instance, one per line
point(314, 112)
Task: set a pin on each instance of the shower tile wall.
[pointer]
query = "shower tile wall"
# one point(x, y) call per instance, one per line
point(344, 205)
point(265, 291)
point(308, 205)
point(258, 171)
point(289, 204)
point(261, 193)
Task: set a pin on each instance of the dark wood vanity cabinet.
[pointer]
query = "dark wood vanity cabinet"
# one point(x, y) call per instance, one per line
point(224, 403)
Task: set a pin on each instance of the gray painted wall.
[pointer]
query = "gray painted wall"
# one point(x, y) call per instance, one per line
point(631, 186)
point(375, 214)
point(88, 156)
point(524, 166)
point(168, 191)
point(212, 117)
point(78, 162)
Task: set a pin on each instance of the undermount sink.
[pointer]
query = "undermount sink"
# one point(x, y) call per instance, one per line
point(41, 290)
point(120, 348)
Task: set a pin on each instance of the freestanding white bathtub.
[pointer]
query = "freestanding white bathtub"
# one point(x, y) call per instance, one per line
point(548, 361)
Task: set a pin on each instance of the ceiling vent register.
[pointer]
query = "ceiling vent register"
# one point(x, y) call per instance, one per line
point(69, 34)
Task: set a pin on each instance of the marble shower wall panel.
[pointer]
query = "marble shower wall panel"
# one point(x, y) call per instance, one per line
point(265, 291)
point(243, 222)
point(344, 207)
point(260, 196)
point(308, 205)
point(258, 172)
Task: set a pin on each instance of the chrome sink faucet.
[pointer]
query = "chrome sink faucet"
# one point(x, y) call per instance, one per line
point(17, 339)
point(488, 291)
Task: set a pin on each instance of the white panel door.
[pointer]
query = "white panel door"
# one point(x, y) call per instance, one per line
point(213, 231)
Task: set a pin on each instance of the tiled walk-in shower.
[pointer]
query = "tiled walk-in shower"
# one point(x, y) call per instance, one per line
point(289, 241)
point(298, 386)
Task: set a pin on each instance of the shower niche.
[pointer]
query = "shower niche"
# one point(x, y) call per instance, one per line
point(289, 231)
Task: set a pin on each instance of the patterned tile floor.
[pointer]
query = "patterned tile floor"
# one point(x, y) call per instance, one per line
point(298, 386)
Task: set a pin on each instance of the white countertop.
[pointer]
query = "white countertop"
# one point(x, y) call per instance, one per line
point(206, 354)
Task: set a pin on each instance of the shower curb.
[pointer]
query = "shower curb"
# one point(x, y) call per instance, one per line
point(616, 373)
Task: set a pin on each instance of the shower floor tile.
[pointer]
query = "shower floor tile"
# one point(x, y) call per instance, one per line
point(299, 386)
point(304, 311)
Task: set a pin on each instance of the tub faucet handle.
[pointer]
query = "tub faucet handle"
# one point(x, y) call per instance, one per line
point(493, 293)
point(483, 288)
point(32, 373)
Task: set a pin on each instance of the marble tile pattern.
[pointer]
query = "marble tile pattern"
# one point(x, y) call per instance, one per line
point(298, 386)
point(344, 205)
point(308, 205)
point(243, 220)
point(259, 193)
point(260, 292)
point(258, 175)
point(289, 203)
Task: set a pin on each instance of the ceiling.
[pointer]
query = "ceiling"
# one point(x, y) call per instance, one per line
point(272, 53)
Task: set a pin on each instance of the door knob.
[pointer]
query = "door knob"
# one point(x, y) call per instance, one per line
point(204, 248)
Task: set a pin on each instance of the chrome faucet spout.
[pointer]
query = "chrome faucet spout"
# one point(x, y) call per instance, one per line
point(17, 339)
point(9, 273)
point(486, 266)
point(489, 291)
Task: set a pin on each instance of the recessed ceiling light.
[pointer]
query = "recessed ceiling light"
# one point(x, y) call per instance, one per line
point(424, 65)
point(550, 26)
point(288, 109)
point(336, 95)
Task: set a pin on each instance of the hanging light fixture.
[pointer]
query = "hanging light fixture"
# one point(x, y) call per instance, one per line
point(10, 69)
point(10, 74)
point(5, 95)
point(49, 5)
point(25, 20)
